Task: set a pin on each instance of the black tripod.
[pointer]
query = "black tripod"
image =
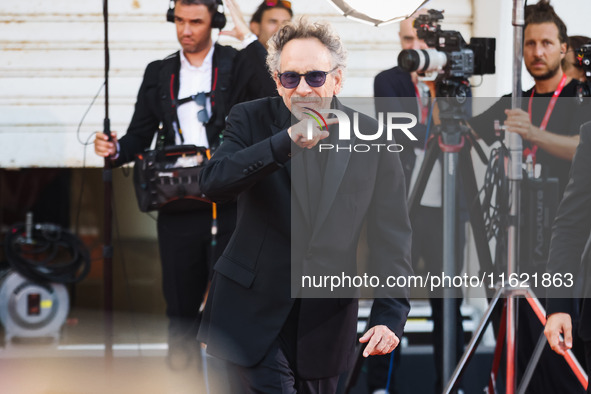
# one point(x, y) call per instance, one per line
point(455, 141)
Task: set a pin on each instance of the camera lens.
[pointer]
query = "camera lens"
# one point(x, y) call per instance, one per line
point(409, 60)
point(423, 60)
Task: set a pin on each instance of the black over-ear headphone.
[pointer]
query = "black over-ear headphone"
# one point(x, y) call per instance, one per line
point(218, 19)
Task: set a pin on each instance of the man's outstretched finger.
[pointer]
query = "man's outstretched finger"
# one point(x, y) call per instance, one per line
point(568, 337)
point(372, 345)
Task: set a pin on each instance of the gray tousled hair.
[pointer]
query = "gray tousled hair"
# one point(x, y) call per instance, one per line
point(305, 29)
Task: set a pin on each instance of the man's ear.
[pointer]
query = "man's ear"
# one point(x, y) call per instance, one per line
point(255, 28)
point(338, 78)
point(563, 48)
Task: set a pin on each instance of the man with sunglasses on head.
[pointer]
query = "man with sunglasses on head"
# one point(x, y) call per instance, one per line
point(276, 335)
point(250, 76)
point(183, 99)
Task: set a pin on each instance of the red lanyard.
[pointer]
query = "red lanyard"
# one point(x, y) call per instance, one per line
point(547, 114)
point(424, 108)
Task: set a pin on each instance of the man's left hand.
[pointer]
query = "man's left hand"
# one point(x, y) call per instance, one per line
point(380, 340)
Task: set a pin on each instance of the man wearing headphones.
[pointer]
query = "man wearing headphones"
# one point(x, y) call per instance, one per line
point(185, 99)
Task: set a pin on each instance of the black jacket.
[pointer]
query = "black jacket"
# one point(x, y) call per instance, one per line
point(571, 238)
point(251, 79)
point(155, 105)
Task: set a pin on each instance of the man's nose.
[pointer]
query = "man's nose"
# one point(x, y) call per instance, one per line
point(186, 29)
point(539, 50)
point(303, 89)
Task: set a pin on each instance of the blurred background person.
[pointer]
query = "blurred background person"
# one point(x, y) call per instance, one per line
point(570, 64)
point(250, 78)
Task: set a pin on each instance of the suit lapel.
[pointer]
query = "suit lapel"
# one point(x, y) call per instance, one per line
point(336, 166)
point(295, 167)
point(169, 88)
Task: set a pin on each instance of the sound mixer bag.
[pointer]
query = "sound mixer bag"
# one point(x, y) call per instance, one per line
point(168, 179)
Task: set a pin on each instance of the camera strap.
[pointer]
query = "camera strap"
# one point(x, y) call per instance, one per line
point(176, 125)
point(532, 152)
point(423, 108)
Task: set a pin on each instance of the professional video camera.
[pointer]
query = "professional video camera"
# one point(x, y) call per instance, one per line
point(450, 54)
point(583, 58)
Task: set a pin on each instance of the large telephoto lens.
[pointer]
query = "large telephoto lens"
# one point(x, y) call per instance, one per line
point(422, 60)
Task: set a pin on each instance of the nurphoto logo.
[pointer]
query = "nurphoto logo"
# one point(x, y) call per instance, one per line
point(394, 121)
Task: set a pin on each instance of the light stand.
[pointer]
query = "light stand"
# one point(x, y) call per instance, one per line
point(515, 147)
point(108, 213)
point(514, 144)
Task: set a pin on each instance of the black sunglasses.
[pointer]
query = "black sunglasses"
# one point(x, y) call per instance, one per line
point(315, 79)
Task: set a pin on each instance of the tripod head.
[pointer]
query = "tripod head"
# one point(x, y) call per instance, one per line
point(453, 95)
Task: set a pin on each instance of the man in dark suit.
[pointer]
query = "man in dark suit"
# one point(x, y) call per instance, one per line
point(250, 77)
point(569, 255)
point(278, 341)
point(184, 236)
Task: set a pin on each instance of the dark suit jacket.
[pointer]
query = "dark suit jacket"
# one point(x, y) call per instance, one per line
point(250, 298)
point(155, 104)
point(571, 236)
point(250, 76)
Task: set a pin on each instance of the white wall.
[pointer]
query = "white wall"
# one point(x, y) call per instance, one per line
point(51, 63)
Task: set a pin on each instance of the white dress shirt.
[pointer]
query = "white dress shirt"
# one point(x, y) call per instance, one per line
point(194, 80)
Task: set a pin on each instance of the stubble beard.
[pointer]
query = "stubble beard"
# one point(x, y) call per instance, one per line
point(547, 75)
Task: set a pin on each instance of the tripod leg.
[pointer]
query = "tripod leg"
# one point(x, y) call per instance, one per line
point(476, 219)
point(416, 193)
point(532, 364)
point(570, 358)
point(473, 344)
point(498, 353)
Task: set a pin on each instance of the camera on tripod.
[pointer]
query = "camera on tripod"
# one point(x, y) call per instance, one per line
point(450, 54)
point(583, 59)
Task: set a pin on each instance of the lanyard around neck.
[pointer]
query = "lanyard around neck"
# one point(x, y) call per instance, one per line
point(550, 105)
point(534, 150)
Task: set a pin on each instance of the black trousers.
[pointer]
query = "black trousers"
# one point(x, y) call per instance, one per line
point(187, 258)
point(276, 373)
